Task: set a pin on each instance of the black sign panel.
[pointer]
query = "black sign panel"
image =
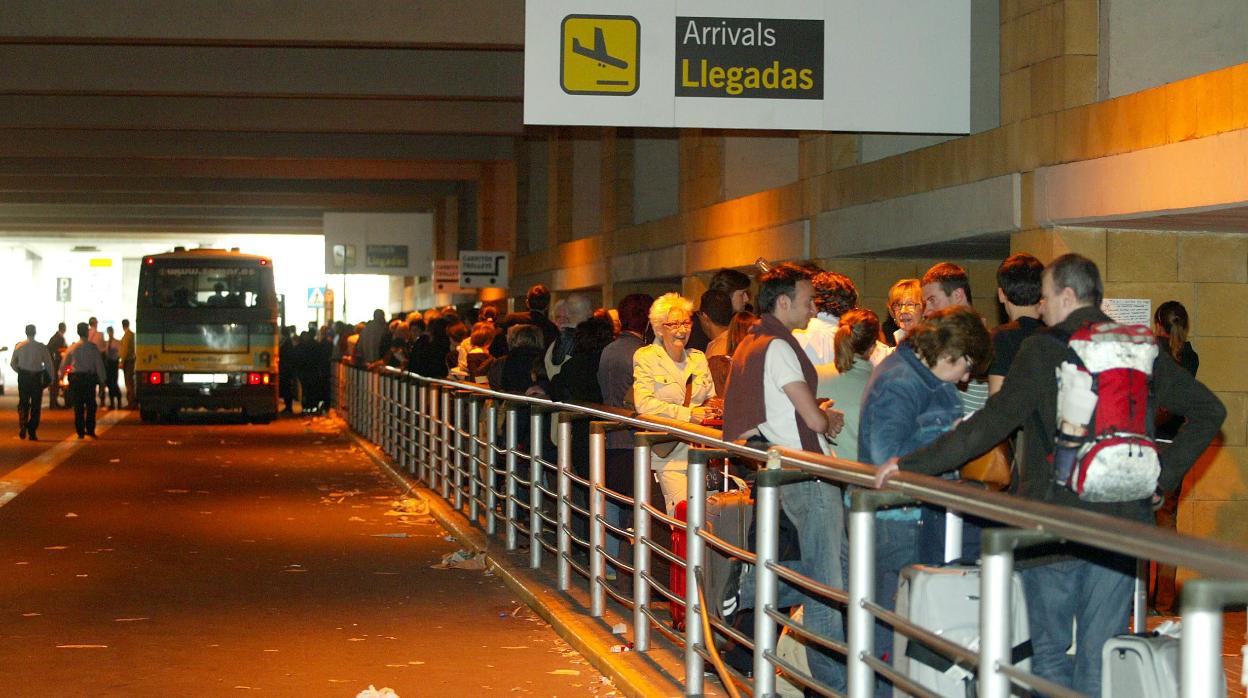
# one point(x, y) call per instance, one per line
point(749, 57)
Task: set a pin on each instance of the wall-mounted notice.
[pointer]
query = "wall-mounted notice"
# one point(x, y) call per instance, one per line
point(482, 269)
point(398, 244)
point(1128, 311)
point(837, 65)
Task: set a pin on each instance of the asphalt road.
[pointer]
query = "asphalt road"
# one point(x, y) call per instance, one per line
point(218, 558)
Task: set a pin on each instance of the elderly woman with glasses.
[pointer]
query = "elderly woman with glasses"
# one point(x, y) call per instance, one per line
point(905, 310)
point(672, 381)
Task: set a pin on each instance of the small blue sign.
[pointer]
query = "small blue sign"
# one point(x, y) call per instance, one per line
point(316, 297)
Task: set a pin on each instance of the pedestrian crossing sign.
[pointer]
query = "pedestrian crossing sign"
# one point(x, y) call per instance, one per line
point(316, 297)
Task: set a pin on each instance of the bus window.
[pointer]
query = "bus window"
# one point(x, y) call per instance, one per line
point(191, 287)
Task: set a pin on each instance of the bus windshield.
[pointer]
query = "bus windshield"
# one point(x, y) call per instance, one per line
point(191, 287)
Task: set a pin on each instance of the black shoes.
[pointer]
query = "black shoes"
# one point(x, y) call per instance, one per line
point(21, 434)
point(32, 436)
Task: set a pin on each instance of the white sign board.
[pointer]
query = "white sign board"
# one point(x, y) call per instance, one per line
point(446, 276)
point(478, 269)
point(398, 244)
point(1128, 311)
point(834, 65)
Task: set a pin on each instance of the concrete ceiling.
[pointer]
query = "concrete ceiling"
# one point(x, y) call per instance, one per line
point(183, 116)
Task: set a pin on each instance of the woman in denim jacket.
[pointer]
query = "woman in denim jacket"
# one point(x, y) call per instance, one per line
point(911, 399)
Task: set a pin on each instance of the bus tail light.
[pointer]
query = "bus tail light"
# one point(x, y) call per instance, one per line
point(258, 379)
point(154, 378)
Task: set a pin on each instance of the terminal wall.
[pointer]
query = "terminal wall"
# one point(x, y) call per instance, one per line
point(683, 204)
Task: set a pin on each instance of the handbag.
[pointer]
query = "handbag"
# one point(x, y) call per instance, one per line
point(992, 468)
point(665, 450)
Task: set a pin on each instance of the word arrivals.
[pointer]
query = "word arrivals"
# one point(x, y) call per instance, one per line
point(724, 35)
point(734, 80)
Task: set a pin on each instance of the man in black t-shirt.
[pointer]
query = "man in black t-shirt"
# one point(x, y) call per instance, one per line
point(1018, 289)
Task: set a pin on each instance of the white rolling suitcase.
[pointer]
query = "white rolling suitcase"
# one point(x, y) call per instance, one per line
point(945, 600)
point(1142, 666)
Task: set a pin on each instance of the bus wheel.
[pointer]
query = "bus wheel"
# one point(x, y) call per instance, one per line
point(170, 415)
point(147, 415)
point(262, 418)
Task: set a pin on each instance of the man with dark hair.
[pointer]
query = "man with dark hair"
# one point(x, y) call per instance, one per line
point(714, 315)
point(1090, 587)
point(1018, 290)
point(835, 295)
point(127, 357)
point(84, 364)
point(771, 400)
point(33, 365)
point(537, 301)
point(737, 286)
point(945, 285)
point(56, 348)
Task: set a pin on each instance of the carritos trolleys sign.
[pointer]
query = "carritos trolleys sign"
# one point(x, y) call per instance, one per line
point(843, 65)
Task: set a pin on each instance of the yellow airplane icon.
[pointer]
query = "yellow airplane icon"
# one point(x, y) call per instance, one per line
point(600, 54)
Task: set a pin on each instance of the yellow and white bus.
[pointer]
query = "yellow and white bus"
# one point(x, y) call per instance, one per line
point(206, 334)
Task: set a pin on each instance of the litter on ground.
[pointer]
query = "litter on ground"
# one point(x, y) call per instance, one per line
point(462, 560)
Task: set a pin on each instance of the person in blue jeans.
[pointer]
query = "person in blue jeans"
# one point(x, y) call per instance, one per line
point(1088, 588)
point(911, 400)
point(771, 400)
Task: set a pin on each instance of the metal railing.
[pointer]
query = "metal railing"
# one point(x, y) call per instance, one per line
point(437, 431)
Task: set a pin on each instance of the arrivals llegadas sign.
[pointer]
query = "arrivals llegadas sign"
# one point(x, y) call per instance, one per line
point(844, 65)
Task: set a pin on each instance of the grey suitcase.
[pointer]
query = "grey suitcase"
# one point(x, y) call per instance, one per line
point(945, 600)
point(1141, 666)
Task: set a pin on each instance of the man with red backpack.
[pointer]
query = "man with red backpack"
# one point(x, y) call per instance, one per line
point(1083, 410)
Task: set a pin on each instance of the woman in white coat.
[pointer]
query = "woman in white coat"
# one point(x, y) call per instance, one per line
point(672, 381)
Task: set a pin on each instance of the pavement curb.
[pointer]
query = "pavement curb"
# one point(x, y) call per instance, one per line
point(634, 674)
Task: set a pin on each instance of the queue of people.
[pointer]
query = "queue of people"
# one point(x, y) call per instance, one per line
point(792, 359)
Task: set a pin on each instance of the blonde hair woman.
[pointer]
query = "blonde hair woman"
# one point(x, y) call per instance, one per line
point(672, 381)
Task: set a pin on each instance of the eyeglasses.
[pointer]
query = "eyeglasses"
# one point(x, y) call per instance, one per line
point(907, 305)
point(678, 324)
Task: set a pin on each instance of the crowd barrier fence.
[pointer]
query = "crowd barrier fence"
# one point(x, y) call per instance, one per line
point(446, 434)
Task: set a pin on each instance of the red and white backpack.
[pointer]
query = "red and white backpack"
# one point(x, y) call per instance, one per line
point(1117, 459)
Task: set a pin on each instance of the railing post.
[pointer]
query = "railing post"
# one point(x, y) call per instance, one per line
point(536, 473)
point(491, 462)
point(457, 462)
point(390, 403)
point(429, 408)
point(374, 394)
point(767, 544)
point(597, 513)
point(444, 463)
point(415, 402)
point(474, 457)
point(509, 481)
point(996, 595)
point(641, 550)
point(695, 549)
point(1200, 664)
point(861, 624)
point(563, 535)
